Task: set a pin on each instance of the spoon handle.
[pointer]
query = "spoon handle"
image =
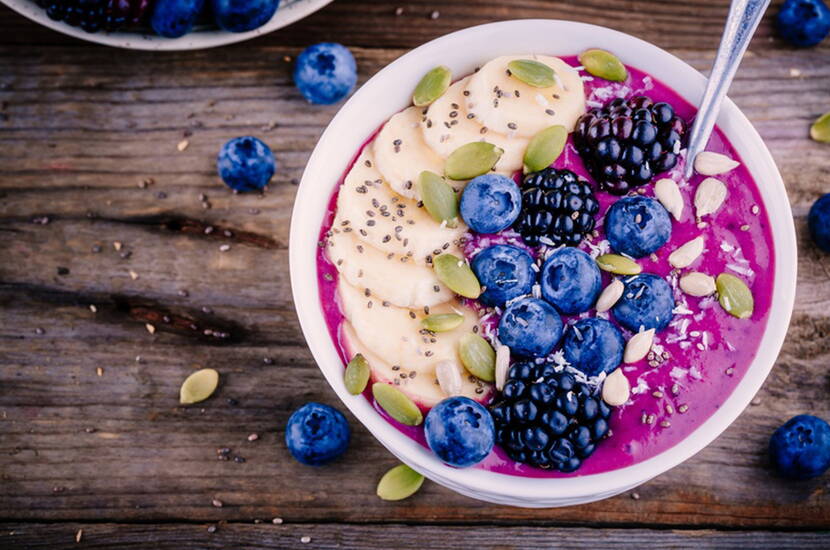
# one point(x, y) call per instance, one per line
point(744, 16)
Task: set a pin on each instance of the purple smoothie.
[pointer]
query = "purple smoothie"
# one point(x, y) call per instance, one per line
point(707, 351)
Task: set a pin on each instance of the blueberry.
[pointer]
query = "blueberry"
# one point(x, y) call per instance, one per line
point(460, 431)
point(506, 272)
point(819, 222)
point(800, 449)
point(490, 203)
point(594, 346)
point(175, 18)
point(804, 23)
point(530, 328)
point(646, 303)
point(570, 280)
point(246, 164)
point(637, 226)
point(317, 434)
point(325, 73)
point(243, 15)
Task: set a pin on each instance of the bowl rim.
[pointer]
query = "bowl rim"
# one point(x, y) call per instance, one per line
point(473, 42)
point(287, 13)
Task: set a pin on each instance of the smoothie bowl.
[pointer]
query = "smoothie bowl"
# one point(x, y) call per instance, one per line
point(507, 245)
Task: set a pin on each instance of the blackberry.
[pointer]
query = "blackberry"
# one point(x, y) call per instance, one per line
point(557, 208)
point(628, 142)
point(95, 15)
point(548, 419)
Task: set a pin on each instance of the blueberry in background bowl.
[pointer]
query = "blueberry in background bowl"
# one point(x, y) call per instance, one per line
point(593, 346)
point(800, 449)
point(803, 23)
point(819, 222)
point(505, 271)
point(490, 203)
point(460, 431)
point(570, 281)
point(325, 73)
point(246, 164)
point(646, 303)
point(317, 434)
point(243, 15)
point(637, 226)
point(530, 327)
point(175, 18)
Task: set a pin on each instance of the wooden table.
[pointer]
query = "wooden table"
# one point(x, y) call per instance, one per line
point(113, 226)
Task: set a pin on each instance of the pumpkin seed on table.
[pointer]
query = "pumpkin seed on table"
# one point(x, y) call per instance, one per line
point(620, 265)
point(533, 73)
point(432, 86)
point(544, 148)
point(603, 64)
point(478, 357)
point(399, 483)
point(397, 404)
point(356, 376)
point(456, 275)
point(442, 322)
point(198, 386)
point(820, 130)
point(734, 296)
point(438, 197)
point(471, 160)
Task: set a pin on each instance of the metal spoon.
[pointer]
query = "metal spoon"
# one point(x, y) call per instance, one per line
point(744, 16)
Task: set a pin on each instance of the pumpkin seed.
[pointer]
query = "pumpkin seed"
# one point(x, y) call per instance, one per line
point(442, 322)
point(478, 357)
point(438, 197)
point(397, 404)
point(533, 73)
point(734, 296)
point(399, 483)
point(198, 386)
point(456, 275)
point(357, 375)
point(820, 130)
point(432, 86)
point(471, 160)
point(603, 64)
point(544, 148)
point(620, 265)
point(616, 389)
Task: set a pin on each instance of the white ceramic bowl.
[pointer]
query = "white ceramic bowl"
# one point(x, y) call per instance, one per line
point(389, 91)
point(288, 12)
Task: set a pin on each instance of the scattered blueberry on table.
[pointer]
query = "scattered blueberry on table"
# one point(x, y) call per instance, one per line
point(490, 203)
point(246, 164)
point(800, 449)
point(804, 23)
point(460, 431)
point(317, 434)
point(325, 73)
point(819, 222)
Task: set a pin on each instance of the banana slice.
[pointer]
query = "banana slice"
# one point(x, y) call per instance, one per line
point(395, 333)
point(391, 223)
point(404, 284)
point(401, 153)
point(449, 125)
point(423, 388)
point(504, 104)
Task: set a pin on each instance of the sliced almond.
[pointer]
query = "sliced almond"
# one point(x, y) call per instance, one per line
point(668, 193)
point(638, 346)
point(709, 196)
point(697, 284)
point(448, 374)
point(708, 163)
point(615, 389)
point(610, 295)
point(502, 365)
point(687, 253)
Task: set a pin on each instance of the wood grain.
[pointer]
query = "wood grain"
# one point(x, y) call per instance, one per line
point(88, 159)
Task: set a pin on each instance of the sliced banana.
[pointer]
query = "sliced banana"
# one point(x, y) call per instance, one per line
point(507, 105)
point(404, 284)
point(402, 154)
point(396, 333)
point(449, 124)
point(423, 388)
point(396, 225)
